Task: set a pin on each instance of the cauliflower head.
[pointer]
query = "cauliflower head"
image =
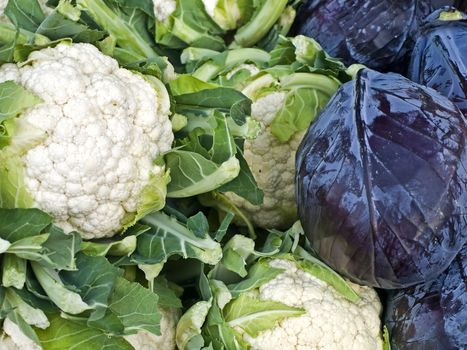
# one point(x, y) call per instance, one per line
point(330, 321)
point(272, 163)
point(86, 152)
point(166, 341)
point(14, 339)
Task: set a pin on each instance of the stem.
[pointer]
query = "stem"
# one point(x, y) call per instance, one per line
point(126, 36)
point(258, 26)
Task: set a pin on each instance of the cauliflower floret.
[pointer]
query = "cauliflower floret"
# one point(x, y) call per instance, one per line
point(331, 322)
point(104, 126)
point(164, 8)
point(14, 339)
point(166, 341)
point(272, 163)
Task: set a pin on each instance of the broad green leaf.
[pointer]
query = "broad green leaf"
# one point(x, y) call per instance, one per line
point(259, 274)
point(192, 174)
point(236, 252)
point(135, 306)
point(16, 224)
point(67, 300)
point(128, 28)
point(167, 296)
point(61, 248)
point(244, 185)
point(26, 14)
point(221, 98)
point(23, 326)
point(14, 99)
point(189, 325)
point(56, 26)
point(307, 94)
point(190, 25)
point(255, 315)
point(151, 198)
point(32, 316)
point(169, 237)
point(74, 335)
point(198, 224)
point(95, 280)
point(323, 272)
point(187, 84)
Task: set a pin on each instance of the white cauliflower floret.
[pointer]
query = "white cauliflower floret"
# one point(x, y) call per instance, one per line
point(272, 163)
point(164, 8)
point(331, 322)
point(166, 341)
point(104, 126)
point(14, 339)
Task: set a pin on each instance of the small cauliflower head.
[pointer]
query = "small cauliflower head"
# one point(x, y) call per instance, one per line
point(272, 163)
point(330, 321)
point(14, 339)
point(87, 151)
point(166, 341)
point(284, 107)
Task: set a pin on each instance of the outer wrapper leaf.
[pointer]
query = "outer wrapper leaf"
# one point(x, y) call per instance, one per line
point(380, 181)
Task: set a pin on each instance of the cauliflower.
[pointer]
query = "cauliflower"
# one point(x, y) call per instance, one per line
point(164, 8)
point(272, 163)
point(86, 151)
point(14, 339)
point(166, 341)
point(330, 321)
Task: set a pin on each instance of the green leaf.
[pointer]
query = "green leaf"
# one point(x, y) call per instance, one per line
point(254, 315)
point(236, 252)
point(136, 307)
point(244, 184)
point(168, 237)
point(127, 26)
point(152, 197)
point(198, 224)
point(14, 271)
point(187, 84)
point(67, 300)
point(24, 327)
point(193, 174)
point(192, 25)
point(189, 325)
point(95, 280)
point(26, 14)
point(61, 248)
point(16, 224)
point(308, 94)
point(56, 26)
point(31, 315)
point(259, 274)
point(14, 99)
point(121, 247)
point(167, 296)
point(68, 334)
point(386, 339)
point(323, 272)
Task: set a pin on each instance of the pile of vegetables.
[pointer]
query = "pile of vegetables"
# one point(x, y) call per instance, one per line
point(233, 175)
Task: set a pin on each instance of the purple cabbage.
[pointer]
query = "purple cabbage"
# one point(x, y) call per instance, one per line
point(431, 316)
point(381, 181)
point(376, 33)
point(439, 58)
